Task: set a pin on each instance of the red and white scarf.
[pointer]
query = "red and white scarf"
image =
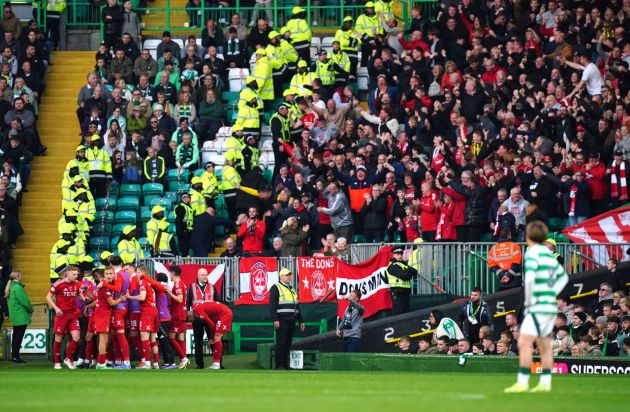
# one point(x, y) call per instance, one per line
point(446, 211)
point(437, 161)
point(614, 183)
point(573, 197)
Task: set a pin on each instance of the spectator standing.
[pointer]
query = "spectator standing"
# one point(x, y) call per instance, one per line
point(285, 312)
point(20, 311)
point(339, 211)
point(252, 231)
point(475, 314)
point(131, 22)
point(112, 17)
point(399, 276)
point(374, 213)
point(475, 212)
point(351, 322)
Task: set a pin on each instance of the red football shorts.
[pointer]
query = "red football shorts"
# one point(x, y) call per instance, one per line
point(177, 326)
point(149, 321)
point(134, 321)
point(102, 324)
point(119, 317)
point(224, 323)
point(90, 328)
point(67, 323)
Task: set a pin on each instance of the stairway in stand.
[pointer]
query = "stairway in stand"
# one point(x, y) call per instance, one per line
point(155, 21)
point(41, 206)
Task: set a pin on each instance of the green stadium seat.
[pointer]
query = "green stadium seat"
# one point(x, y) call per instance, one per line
point(101, 229)
point(114, 244)
point(99, 243)
point(219, 203)
point(144, 243)
point(230, 96)
point(128, 203)
point(127, 217)
point(184, 177)
point(485, 237)
point(175, 186)
point(555, 223)
point(118, 228)
point(198, 172)
point(102, 203)
point(358, 239)
point(152, 189)
point(218, 173)
point(164, 202)
point(114, 190)
point(268, 173)
point(147, 200)
point(130, 190)
point(145, 214)
point(105, 216)
point(170, 218)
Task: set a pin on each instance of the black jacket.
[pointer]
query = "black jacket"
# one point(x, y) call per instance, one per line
point(375, 214)
point(404, 274)
point(476, 208)
point(274, 297)
point(203, 229)
point(483, 317)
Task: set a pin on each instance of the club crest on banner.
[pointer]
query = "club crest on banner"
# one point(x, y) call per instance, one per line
point(258, 281)
point(318, 285)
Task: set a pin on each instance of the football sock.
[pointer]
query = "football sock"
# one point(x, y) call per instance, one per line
point(88, 350)
point(101, 359)
point(137, 343)
point(146, 347)
point(116, 347)
point(177, 348)
point(182, 345)
point(523, 376)
point(70, 349)
point(124, 346)
point(154, 351)
point(217, 351)
point(56, 352)
point(545, 377)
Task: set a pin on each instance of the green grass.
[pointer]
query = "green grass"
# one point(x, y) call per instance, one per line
point(243, 387)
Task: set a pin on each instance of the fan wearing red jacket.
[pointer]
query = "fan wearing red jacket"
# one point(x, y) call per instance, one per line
point(219, 318)
point(149, 323)
point(429, 213)
point(252, 231)
point(66, 292)
point(103, 314)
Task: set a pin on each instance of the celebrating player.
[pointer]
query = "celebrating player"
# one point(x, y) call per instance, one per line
point(91, 298)
point(219, 318)
point(119, 314)
point(103, 313)
point(544, 280)
point(65, 291)
point(149, 324)
point(134, 312)
point(177, 306)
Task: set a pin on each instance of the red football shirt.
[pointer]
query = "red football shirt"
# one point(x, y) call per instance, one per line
point(102, 308)
point(178, 310)
point(66, 295)
point(149, 301)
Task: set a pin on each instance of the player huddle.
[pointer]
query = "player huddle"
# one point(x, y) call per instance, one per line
point(123, 306)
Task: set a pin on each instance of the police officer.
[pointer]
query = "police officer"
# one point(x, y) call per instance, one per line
point(285, 311)
point(199, 292)
point(184, 216)
point(551, 245)
point(230, 181)
point(369, 26)
point(350, 41)
point(250, 155)
point(210, 183)
point(276, 62)
point(324, 70)
point(399, 276)
point(302, 82)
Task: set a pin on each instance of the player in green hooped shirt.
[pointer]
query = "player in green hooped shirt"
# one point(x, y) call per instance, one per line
point(544, 279)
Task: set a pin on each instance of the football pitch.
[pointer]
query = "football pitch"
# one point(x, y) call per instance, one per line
point(243, 387)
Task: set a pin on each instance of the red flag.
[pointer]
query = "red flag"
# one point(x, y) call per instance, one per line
point(370, 277)
point(189, 273)
point(316, 278)
point(609, 227)
point(257, 275)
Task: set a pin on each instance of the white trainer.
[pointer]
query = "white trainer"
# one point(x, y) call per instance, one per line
point(215, 365)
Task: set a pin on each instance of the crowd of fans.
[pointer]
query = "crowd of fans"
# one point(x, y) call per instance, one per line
point(600, 327)
point(24, 58)
point(481, 116)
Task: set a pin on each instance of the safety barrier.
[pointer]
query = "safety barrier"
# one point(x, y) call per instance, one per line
point(443, 268)
point(454, 268)
point(237, 330)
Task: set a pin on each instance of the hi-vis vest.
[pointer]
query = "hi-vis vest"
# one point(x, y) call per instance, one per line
point(188, 216)
point(504, 254)
point(100, 163)
point(264, 77)
point(153, 228)
point(287, 299)
point(254, 159)
point(325, 72)
point(395, 282)
point(58, 263)
point(288, 54)
point(249, 119)
point(164, 248)
point(348, 42)
point(342, 60)
point(127, 250)
point(229, 177)
point(58, 6)
point(233, 147)
point(210, 185)
point(285, 127)
point(303, 83)
point(301, 34)
point(197, 202)
point(274, 55)
point(242, 101)
point(365, 24)
point(383, 8)
point(200, 297)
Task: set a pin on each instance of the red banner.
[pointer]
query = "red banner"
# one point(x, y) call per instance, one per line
point(189, 273)
point(370, 277)
point(610, 227)
point(257, 275)
point(316, 278)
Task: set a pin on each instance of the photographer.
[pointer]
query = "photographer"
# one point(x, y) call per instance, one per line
point(350, 326)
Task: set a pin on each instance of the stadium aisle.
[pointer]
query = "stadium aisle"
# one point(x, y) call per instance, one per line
point(58, 128)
